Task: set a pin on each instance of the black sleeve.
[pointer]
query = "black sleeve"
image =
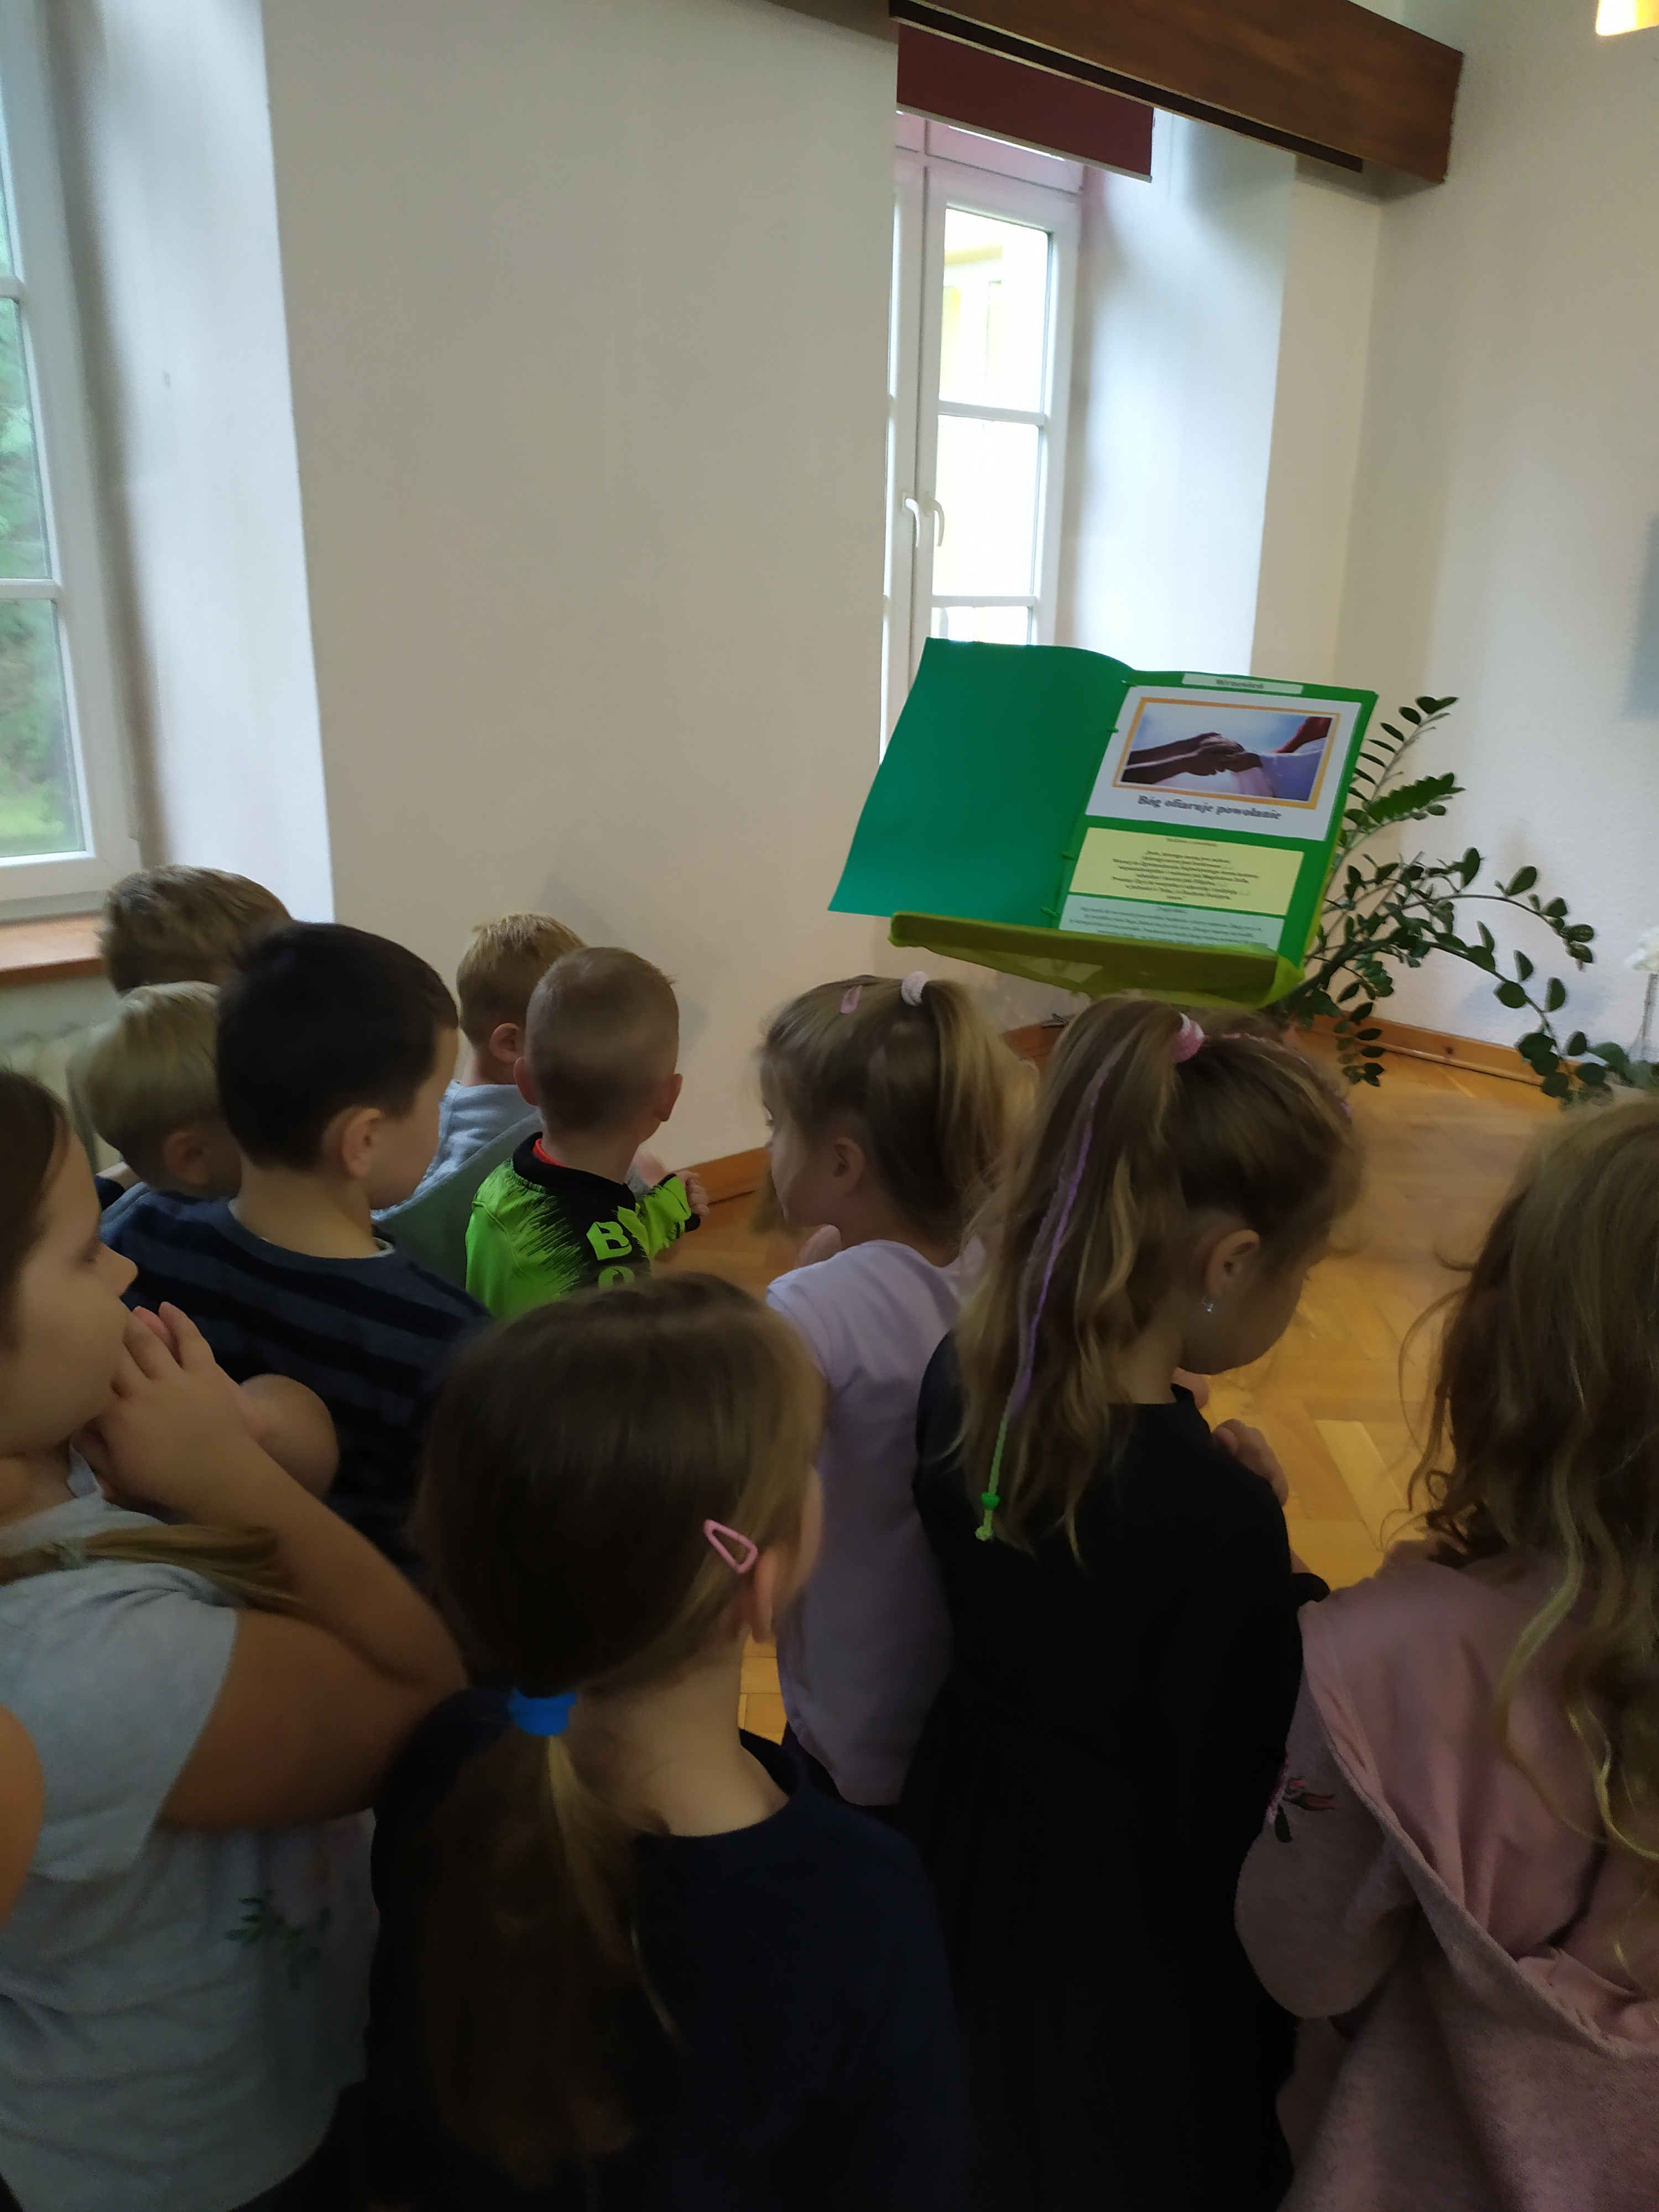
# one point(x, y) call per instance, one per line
point(1231, 1666)
point(938, 1477)
point(895, 2137)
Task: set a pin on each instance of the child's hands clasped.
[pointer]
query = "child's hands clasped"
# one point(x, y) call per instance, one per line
point(1251, 1449)
point(176, 1433)
point(697, 1192)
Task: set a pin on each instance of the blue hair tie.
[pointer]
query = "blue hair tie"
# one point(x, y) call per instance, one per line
point(540, 1715)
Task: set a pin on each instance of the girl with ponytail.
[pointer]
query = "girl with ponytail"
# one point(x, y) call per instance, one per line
point(890, 1106)
point(628, 1958)
point(1122, 1601)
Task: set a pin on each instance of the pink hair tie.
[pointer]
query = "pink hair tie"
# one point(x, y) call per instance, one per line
point(743, 1558)
point(849, 1004)
point(914, 984)
point(1188, 1039)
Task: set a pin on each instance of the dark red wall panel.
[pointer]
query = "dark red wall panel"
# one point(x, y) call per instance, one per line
point(962, 83)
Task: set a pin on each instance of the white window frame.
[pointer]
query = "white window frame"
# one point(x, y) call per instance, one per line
point(927, 183)
point(61, 882)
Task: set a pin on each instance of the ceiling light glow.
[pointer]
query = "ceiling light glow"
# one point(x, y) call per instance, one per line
point(1613, 17)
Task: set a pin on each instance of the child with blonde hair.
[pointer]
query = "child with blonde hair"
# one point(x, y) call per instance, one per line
point(890, 1107)
point(601, 1041)
point(1123, 1603)
point(182, 925)
point(213, 1697)
point(147, 1081)
point(484, 1117)
point(628, 1957)
point(1461, 1868)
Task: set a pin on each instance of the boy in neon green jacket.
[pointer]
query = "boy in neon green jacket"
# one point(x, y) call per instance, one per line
point(601, 1038)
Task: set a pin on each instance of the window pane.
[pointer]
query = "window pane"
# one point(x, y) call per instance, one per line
point(40, 805)
point(983, 625)
point(995, 323)
point(987, 487)
point(23, 517)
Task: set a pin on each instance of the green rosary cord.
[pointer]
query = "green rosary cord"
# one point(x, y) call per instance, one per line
point(991, 1496)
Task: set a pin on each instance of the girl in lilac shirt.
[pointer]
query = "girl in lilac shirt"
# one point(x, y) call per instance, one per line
point(890, 1106)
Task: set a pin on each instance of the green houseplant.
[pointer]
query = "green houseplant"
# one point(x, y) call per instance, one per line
point(1381, 915)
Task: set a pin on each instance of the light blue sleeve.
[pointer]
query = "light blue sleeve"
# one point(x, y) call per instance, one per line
point(113, 1670)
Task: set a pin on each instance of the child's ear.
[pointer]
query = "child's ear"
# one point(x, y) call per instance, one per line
point(667, 1096)
point(521, 1077)
point(757, 1603)
point(1223, 1265)
point(350, 1140)
point(507, 1044)
point(184, 1158)
point(847, 1164)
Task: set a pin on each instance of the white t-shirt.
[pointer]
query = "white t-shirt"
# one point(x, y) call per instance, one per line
point(178, 2009)
point(865, 1647)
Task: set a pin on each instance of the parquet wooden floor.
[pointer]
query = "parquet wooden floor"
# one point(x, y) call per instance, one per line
point(1339, 1395)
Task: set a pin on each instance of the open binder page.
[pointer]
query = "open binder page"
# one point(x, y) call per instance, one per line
point(1058, 815)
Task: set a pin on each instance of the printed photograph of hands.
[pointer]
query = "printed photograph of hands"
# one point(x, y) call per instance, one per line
point(1286, 772)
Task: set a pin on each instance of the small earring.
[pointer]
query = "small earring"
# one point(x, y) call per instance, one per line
point(1209, 1305)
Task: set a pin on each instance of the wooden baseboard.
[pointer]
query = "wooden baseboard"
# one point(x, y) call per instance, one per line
point(734, 1175)
point(1472, 1053)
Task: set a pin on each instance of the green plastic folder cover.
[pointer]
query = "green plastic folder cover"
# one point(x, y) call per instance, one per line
point(1058, 815)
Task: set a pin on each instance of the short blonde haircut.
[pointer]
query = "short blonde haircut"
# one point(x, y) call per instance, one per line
point(602, 1030)
point(149, 1070)
point(503, 966)
point(178, 925)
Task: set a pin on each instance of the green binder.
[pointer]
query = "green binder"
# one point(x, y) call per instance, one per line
point(1058, 815)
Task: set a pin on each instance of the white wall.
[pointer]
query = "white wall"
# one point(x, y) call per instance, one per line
point(1324, 337)
point(1505, 537)
point(171, 190)
point(1180, 287)
point(587, 313)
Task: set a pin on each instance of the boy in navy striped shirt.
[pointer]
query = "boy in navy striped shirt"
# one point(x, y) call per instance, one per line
point(334, 1048)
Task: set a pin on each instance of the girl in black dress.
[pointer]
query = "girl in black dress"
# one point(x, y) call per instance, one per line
point(1122, 1599)
point(630, 1961)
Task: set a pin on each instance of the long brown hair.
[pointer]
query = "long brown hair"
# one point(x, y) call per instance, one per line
point(245, 1563)
point(1544, 1441)
point(572, 1460)
point(929, 1085)
point(1126, 1145)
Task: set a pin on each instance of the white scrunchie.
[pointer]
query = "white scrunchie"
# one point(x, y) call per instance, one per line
point(914, 984)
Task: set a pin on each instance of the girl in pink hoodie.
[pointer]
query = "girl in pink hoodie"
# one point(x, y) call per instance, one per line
point(1457, 1888)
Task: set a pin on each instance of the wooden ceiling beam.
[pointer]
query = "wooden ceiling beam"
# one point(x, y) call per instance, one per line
point(1325, 76)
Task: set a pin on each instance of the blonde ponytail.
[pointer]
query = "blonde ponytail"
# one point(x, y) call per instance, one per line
point(920, 1072)
point(537, 1874)
point(246, 1564)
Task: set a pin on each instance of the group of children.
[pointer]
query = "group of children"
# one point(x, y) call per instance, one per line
point(1090, 1791)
